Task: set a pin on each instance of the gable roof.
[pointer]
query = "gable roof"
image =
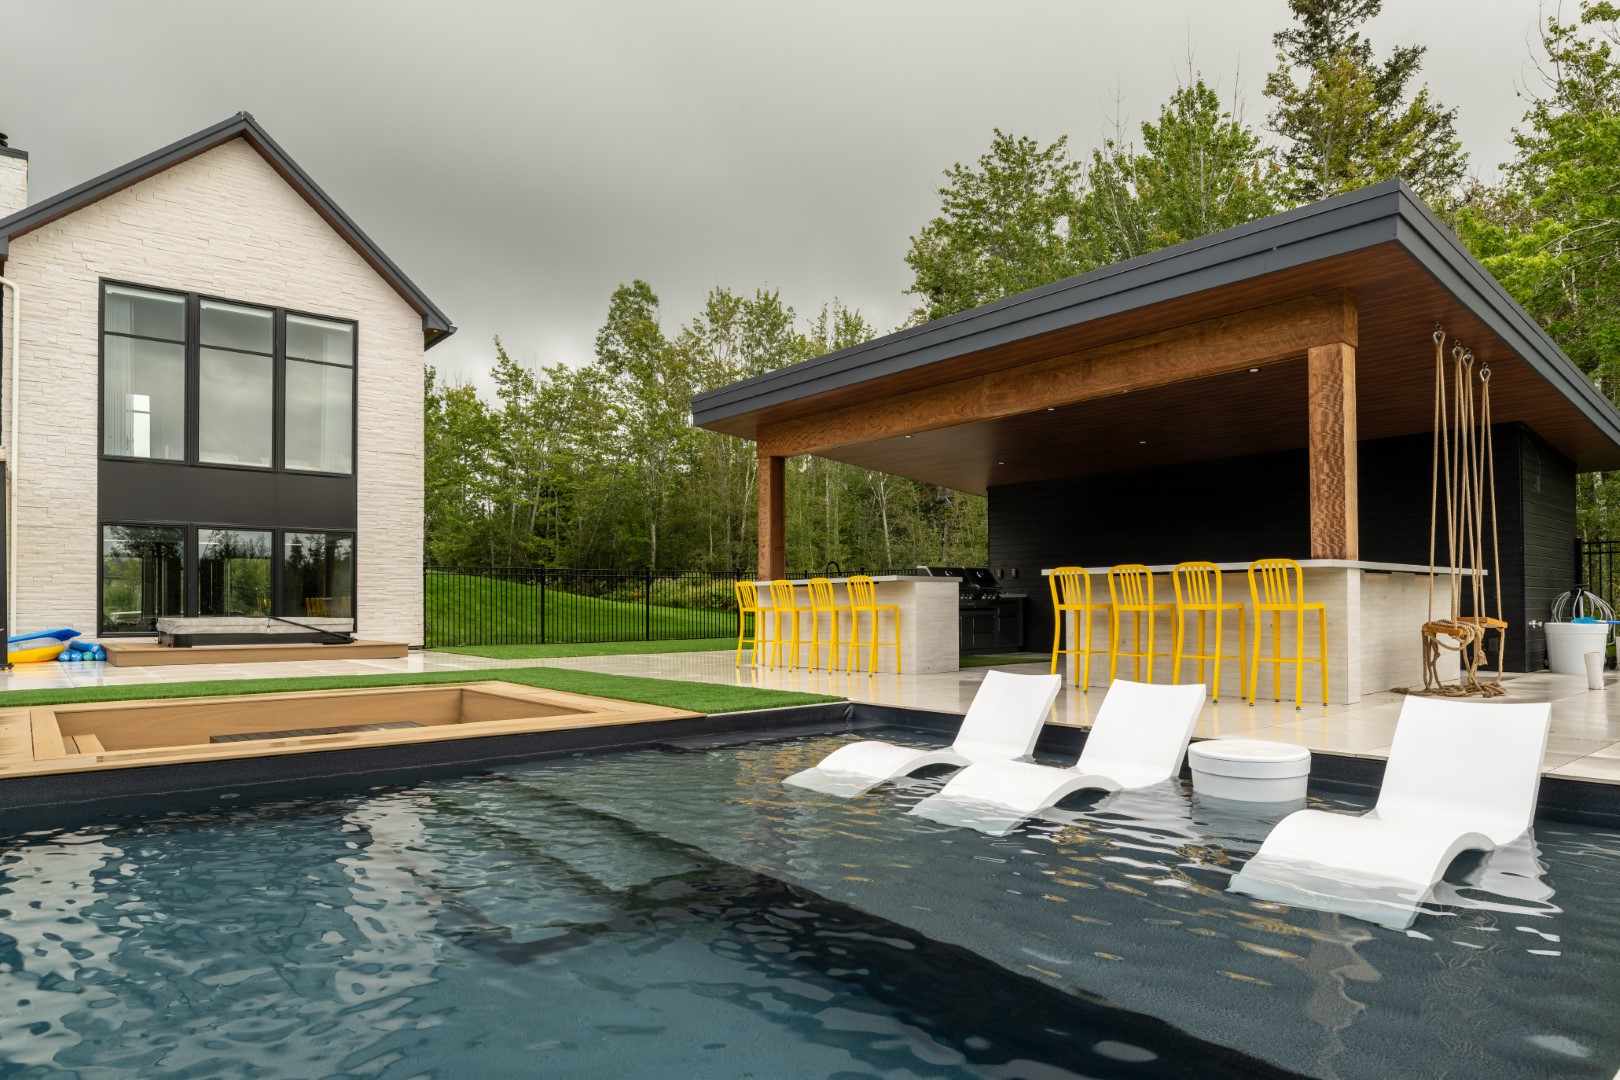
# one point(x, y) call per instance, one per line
point(436, 326)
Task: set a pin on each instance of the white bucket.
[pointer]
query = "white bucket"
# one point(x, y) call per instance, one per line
point(1594, 670)
point(1568, 644)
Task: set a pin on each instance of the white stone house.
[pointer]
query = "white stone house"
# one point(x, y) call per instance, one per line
point(216, 402)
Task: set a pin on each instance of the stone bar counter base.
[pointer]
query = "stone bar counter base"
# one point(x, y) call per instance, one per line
point(928, 634)
point(1375, 614)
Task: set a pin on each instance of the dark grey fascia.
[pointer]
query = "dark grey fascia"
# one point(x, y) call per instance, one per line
point(12, 151)
point(436, 326)
point(1383, 213)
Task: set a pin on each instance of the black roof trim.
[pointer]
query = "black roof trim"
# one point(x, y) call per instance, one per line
point(12, 151)
point(436, 326)
point(1383, 213)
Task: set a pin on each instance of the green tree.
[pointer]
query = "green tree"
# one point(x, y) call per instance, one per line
point(1352, 121)
point(1010, 223)
point(1550, 232)
point(1200, 169)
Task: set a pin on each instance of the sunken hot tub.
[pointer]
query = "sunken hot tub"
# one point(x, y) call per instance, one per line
point(172, 731)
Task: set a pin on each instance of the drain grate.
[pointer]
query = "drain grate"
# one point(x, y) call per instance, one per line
point(253, 736)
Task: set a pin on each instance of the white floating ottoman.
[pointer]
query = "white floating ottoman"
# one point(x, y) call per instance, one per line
point(1249, 770)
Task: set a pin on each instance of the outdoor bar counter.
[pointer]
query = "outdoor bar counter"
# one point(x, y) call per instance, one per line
point(928, 637)
point(1375, 612)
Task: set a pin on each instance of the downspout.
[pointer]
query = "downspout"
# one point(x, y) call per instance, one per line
point(11, 448)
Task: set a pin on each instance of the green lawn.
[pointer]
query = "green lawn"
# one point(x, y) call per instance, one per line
point(596, 648)
point(463, 608)
point(999, 661)
point(698, 697)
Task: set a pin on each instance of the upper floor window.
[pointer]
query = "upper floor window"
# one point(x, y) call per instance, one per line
point(194, 379)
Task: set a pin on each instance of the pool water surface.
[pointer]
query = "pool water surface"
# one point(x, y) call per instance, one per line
point(680, 913)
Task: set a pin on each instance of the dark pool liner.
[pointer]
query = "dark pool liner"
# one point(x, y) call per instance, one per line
point(54, 801)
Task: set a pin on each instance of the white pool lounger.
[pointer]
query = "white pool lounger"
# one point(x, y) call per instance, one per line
point(1462, 776)
point(1003, 722)
point(1139, 738)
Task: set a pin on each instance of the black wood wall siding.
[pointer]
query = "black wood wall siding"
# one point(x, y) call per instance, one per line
point(1239, 509)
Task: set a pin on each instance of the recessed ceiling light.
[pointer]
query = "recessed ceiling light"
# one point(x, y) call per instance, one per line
point(1254, 371)
point(1141, 442)
point(1001, 463)
point(1052, 410)
point(908, 436)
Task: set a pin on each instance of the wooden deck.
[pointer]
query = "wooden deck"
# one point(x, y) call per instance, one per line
point(61, 739)
point(151, 654)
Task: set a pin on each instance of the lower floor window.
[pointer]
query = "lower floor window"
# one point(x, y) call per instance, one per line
point(233, 572)
point(143, 576)
point(317, 575)
point(150, 572)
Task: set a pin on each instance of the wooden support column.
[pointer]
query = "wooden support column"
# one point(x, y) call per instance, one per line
point(772, 518)
point(1331, 381)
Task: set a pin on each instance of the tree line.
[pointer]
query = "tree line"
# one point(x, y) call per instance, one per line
point(597, 464)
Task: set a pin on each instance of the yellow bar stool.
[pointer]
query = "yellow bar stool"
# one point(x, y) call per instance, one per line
point(1130, 587)
point(863, 601)
point(1071, 594)
point(785, 605)
point(1198, 591)
point(823, 601)
point(1277, 586)
point(747, 609)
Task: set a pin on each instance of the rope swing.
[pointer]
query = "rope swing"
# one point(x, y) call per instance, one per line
point(1464, 473)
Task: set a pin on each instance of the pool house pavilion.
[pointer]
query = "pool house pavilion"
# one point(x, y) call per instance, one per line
point(1266, 391)
point(213, 397)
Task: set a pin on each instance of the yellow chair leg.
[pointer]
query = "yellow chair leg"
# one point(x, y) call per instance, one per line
point(1321, 630)
point(1276, 656)
point(1215, 692)
point(1057, 639)
point(1254, 659)
point(1299, 658)
point(1243, 653)
point(1178, 644)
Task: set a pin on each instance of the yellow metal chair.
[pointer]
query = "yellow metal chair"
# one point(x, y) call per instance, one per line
point(747, 609)
point(1198, 591)
point(1277, 586)
point(863, 601)
point(1071, 594)
point(785, 605)
point(823, 601)
point(1130, 587)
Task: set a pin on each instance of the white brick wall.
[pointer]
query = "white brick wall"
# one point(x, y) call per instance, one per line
point(13, 184)
point(226, 224)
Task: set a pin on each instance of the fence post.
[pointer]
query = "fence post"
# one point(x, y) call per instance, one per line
point(542, 605)
point(646, 632)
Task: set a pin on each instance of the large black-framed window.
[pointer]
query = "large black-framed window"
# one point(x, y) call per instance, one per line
point(159, 570)
point(208, 381)
point(143, 576)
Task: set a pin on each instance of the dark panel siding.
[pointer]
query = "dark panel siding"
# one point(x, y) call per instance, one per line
point(1239, 509)
point(1547, 486)
point(150, 491)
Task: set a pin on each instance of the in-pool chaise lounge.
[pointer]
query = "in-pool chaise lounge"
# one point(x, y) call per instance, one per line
point(1002, 723)
point(1461, 776)
point(1139, 738)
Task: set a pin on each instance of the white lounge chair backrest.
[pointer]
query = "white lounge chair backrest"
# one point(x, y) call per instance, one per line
point(1142, 730)
point(1473, 764)
point(1006, 716)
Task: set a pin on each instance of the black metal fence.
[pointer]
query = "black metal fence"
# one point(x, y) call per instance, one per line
point(1595, 564)
point(521, 605)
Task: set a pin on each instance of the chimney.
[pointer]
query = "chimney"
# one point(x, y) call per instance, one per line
point(13, 179)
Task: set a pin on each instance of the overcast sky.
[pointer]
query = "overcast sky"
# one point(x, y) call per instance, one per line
point(520, 159)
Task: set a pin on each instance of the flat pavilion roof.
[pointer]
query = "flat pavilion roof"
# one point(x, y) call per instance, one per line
point(1403, 269)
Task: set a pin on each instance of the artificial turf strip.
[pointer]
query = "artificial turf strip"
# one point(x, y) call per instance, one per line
point(596, 648)
point(696, 697)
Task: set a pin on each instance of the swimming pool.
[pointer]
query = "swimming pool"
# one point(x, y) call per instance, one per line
point(674, 913)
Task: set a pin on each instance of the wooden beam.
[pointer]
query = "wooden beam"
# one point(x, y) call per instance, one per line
point(1331, 393)
point(772, 518)
point(1213, 347)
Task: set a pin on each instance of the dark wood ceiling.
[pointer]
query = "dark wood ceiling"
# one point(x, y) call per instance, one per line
point(1398, 303)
